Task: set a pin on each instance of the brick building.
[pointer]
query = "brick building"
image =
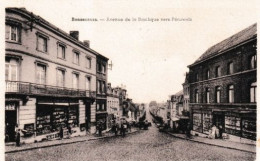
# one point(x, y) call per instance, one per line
point(50, 79)
point(223, 87)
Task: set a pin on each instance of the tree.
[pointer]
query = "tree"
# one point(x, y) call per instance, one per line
point(153, 103)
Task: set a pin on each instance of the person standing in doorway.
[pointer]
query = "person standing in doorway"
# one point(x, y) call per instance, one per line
point(17, 137)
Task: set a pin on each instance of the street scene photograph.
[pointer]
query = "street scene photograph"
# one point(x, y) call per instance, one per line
point(129, 80)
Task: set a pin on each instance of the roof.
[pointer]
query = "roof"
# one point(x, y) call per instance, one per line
point(40, 20)
point(238, 38)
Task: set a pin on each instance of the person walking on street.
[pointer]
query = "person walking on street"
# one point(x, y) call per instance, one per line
point(220, 131)
point(17, 137)
point(188, 130)
point(69, 131)
point(61, 132)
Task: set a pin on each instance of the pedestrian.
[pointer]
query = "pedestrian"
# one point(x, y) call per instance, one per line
point(99, 129)
point(129, 126)
point(17, 137)
point(69, 131)
point(220, 131)
point(213, 131)
point(61, 132)
point(188, 129)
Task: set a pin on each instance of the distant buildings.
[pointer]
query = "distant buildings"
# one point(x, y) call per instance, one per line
point(222, 86)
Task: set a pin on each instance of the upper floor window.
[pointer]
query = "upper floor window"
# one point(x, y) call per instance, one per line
point(61, 77)
point(230, 68)
point(75, 80)
point(42, 43)
point(76, 57)
point(196, 96)
point(11, 69)
point(207, 74)
point(196, 77)
point(99, 67)
point(13, 33)
point(88, 84)
point(217, 71)
point(104, 69)
point(61, 51)
point(88, 62)
point(253, 62)
point(253, 92)
point(231, 93)
point(41, 74)
point(218, 94)
point(207, 95)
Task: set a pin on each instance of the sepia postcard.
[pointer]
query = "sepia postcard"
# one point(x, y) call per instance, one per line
point(129, 80)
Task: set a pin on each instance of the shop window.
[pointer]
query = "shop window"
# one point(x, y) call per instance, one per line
point(196, 121)
point(230, 68)
point(249, 128)
point(60, 78)
point(207, 122)
point(232, 124)
point(40, 74)
point(61, 51)
point(196, 96)
point(231, 94)
point(76, 57)
point(41, 42)
point(75, 80)
point(253, 62)
point(207, 95)
point(253, 92)
point(218, 94)
point(217, 71)
point(88, 62)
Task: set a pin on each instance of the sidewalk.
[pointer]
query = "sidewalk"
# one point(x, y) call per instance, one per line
point(219, 142)
point(11, 148)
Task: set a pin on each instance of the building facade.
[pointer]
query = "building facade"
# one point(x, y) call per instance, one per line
point(186, 94)
point(50, 79)
point(112, 104)
point(223, 87)
point(101, 99)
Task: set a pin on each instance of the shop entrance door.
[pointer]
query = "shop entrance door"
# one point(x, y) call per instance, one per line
point(219, 119)
point(88, 107)
point(10, 122)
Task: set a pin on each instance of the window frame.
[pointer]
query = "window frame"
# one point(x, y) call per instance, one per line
point(253, 86)
point(253, 62)
point(76, 57)
point(63, 46)
point(230, 70)
point(38, 81)
point(217, 71)
point(231, 93)
point(218, 94)
point(8, 32)
point(207, 95)
point(196, 96)
point(77, 78)
point(44, 37)
point(88, 62)
point(63, 76)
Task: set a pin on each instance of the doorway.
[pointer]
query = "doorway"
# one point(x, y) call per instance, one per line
point(219, 119)
point(10, 123)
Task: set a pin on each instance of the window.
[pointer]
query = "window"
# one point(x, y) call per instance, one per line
point(99, 67)
point(11, 69)
point(41, 74)
point(230, 68)
point(42, 43)
point(207, 74)
point(88, 62)
point(253, 92)
point(253, 62)
point(217, 71)
point(104, 68)
point(75, 80)
point(13, 33)
point(104, 87)
point(60, 78)
point(61, 51)
point(76, 58)
point(196, 77)
point(231, 94)
point(207, 95)
point(196, 96)
point(88, 83)
point(217, 94)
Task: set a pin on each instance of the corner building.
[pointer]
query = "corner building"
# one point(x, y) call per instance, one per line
point(50, 79)
point(223, 87)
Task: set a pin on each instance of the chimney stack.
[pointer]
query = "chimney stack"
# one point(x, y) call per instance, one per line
point(74, 34)
point(86, 43)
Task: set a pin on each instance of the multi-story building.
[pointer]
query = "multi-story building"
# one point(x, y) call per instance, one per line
point(186, 94)
point(50, 79)
point(112, 104)
point(122, 98)
point(101, 99)
point(223, 87)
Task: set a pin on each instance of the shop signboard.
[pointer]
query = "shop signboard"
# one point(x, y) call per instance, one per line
point(10, 107)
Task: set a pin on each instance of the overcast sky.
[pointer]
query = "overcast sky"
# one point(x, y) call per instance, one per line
point(149, 58)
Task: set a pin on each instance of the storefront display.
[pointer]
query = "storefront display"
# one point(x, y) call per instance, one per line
point(73, 116)
point(197, 125)
point(207, 122)
point(232, 124)
point(59, 118)
point(249, 128)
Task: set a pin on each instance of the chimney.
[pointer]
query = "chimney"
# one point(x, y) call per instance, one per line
point(86, 43)
point(74, 34)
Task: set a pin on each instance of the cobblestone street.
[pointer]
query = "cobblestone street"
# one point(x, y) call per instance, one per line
point(145, 145)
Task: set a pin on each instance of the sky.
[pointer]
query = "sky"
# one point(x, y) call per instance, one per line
point(149, 58)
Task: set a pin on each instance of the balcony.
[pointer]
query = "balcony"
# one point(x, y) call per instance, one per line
point(41, 89)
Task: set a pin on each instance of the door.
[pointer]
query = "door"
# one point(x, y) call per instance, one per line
point(219, 119)
point(88, 107)
point(10, 122)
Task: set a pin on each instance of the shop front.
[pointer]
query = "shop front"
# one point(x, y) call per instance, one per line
point(102, 119)
point(11, 108)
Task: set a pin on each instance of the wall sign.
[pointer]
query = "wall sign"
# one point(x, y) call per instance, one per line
point(10, 107)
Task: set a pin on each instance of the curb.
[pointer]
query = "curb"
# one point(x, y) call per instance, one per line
point(72, 142)
point(211, 144)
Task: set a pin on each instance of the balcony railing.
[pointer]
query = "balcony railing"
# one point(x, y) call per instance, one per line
point(41, 89)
